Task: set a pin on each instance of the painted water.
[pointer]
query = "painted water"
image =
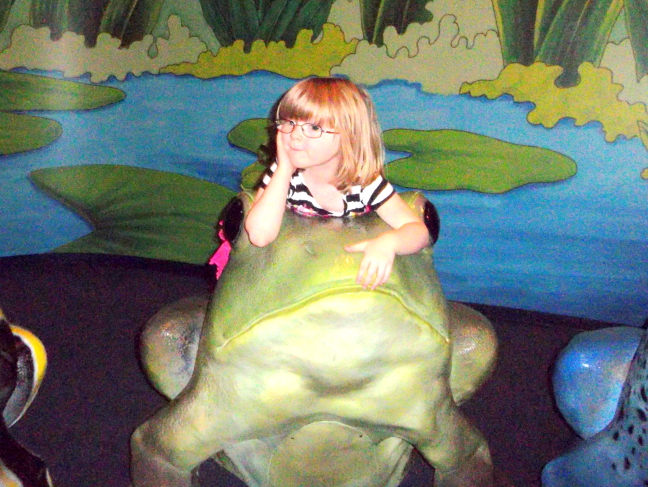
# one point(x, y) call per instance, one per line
point(578, 247)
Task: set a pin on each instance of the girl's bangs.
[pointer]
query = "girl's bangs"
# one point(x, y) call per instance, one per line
point(305, 107)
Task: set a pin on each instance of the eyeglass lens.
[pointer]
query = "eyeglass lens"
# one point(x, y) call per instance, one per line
point(309, 130)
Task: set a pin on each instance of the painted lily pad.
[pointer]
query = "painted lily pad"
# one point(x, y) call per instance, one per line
point(251, 176)
point(20, 133)
point(251, 135)
point(139, 212)
point(452, 159)
point(21, 91)
point(440, 160)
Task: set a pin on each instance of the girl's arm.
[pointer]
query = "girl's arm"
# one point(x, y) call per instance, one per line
point(264, 218)
point(408, 236)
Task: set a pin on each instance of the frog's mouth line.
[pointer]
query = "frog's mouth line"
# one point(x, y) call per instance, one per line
point(382, 292)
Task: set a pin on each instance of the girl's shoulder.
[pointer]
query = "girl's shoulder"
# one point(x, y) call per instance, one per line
point(377, 192)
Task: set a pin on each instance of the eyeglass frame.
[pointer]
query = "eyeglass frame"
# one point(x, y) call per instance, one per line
point(295, 124)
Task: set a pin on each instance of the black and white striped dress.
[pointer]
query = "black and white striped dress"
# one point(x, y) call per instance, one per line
point(358, 201)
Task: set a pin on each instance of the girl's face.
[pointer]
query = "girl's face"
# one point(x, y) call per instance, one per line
point(304, 152)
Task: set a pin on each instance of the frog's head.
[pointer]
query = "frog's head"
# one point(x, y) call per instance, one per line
point(308, 260)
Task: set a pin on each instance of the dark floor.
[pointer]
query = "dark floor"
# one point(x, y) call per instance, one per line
point(87, 309)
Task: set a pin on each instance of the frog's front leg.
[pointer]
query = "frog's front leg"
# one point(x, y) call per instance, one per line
point(150, 467)
point(462, 458)
point(188, 430)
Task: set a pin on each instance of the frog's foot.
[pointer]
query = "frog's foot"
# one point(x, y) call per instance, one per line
point(169, 343)
point(475, 472)
point(474, 350)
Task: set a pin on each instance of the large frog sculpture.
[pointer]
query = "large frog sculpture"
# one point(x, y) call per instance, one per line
point(299, 377)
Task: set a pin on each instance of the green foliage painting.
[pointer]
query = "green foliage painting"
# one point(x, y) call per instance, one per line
point(568, 33)
point(229, 20)
point(266, 20)
point(5, 8)
point(128, 20)
point(377, 15)
point(20, 92)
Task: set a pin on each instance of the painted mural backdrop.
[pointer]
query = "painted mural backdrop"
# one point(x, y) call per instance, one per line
point(126, 125)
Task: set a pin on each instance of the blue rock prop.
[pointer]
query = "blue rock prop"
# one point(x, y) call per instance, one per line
point(601, 388)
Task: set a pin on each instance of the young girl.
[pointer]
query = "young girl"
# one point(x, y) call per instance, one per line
point(330, 163)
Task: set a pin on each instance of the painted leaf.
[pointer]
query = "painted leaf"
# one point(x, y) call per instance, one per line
point(277, 19)
point(139, 212)
point(546, 13)
point(450, 159)
point(142, 20)
point(130, 20)
point(311, 15)
point(643, 133)
point(5, 9)
point(51, 13)
point(578, 34)
point(218, 17)
point(85, 19)
point(21, 91)
point(244, 18)
point(515, 23)
point(377, 15)
point(116, 16)
point(266, 20)
point(636, 16)
point(20, 133)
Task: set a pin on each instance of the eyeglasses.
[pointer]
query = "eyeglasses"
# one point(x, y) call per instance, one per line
point(310, 130)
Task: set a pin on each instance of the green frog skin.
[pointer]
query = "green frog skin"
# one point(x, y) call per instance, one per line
point(293, 375)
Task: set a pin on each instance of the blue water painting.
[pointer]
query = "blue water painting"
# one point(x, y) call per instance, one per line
point(577, 247)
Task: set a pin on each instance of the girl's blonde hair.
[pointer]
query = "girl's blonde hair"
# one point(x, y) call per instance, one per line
point(340, 105)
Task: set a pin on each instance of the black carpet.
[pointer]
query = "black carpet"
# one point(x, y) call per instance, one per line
point(88, 309)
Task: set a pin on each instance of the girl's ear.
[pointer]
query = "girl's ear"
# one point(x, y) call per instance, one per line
point(425, 210)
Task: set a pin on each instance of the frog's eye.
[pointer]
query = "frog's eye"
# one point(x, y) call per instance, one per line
point(232, 219)
point(432, 221)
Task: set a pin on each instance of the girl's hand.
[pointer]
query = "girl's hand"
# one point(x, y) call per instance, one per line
point(263, 221)
point(283, 161)
point(378, 260)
